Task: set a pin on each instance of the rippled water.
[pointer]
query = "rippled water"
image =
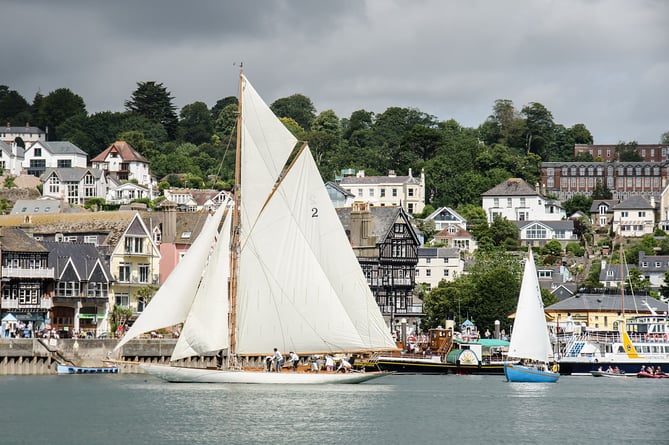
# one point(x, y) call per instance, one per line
point(397, 409)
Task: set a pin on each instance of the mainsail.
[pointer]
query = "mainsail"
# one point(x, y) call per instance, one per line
point(529, 339)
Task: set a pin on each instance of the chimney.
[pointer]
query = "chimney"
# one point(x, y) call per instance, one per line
point(391, 173)
point(652, 202)
point(410, 175)
point(361, 224)
point(27, 124)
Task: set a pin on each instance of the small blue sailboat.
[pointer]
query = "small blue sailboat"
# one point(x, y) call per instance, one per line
point(530, 345)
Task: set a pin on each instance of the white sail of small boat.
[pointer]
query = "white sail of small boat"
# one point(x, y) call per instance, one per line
point(294, 281)
point(530, 341)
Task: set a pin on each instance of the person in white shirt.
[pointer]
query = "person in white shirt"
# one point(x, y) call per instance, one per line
point(278, 360)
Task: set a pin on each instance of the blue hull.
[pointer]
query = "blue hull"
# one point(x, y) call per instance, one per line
point(65, 369)
point(518, 373)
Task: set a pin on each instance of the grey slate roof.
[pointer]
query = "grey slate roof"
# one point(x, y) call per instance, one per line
point(5, 147)
point(612, 272)
point(605, 303)
point(71, 174)
point(31, 206)
point(438, 252)
point(594, 208)
point(22, 130)
point(84, 258)
point(512, 187)
point(339, 189)
point(383, 219)
point(633, 203)
point(63, 148)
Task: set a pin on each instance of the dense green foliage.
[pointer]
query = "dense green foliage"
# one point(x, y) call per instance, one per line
point(459, 162)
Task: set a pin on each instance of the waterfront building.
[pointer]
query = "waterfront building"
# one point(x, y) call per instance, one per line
point(386, 244)
point(74, 185)
point(121, 160)
point(25, 275)
point(11, 158)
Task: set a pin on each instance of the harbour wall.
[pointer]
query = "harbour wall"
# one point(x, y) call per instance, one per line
point(34, 356)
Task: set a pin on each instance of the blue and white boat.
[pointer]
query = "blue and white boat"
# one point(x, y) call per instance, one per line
point(530, 347)
point(69, 369)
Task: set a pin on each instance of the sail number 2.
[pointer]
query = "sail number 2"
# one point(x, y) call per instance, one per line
point(314, 212)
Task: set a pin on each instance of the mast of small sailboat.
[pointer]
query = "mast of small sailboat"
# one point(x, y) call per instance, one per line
point(234, 248)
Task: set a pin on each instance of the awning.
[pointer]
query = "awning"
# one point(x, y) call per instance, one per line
point(28, 316)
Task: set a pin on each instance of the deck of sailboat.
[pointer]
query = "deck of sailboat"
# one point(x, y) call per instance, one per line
point(256, 376)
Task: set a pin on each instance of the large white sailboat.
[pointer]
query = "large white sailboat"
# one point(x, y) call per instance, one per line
point(280, 273)
point(530, 344)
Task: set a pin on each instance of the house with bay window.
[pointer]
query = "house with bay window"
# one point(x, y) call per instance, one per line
point(80, 290)
point(134, 264)
point(26, 274)
point(75, 185)
point(538, 233)
point(634, 217)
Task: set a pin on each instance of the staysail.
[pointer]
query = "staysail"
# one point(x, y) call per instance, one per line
point(206, 328)
point(173, 301)
point(529, 339)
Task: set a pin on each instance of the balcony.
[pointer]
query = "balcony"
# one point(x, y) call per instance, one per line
point(18, 272)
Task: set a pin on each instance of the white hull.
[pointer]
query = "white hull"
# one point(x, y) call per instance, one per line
point(199, 375)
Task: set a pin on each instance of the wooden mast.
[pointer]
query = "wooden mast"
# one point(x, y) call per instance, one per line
point(234, 248)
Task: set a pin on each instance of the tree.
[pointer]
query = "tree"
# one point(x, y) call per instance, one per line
point(540, 134)
point(664, 288)
point(153, 101)
point(601, 191)
point(664, 139)
point(56, 108)
point(221, 104)
point(13, 107)
point(578, 202)
point(298, 106)
point(195, 125)
point(627, 152)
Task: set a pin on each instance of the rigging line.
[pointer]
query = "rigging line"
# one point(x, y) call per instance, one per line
point(277, 184)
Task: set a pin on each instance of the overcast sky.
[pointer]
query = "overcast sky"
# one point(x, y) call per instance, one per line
point(601, 63)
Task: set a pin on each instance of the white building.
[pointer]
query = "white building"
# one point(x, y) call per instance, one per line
point(387, 191)
point(11, 158)
point(516, 200)
point(634, 217)
point(75, 185)
point(59, 154)
point(123, 162)
point(124, 193)
point(436, 264)
point(23, 136)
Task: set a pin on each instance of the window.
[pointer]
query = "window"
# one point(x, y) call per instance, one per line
point(67, 288)
point(124, 272)
point(38, 152)
point(91, 239)
point(143, 273)
point(509, 202)
point(64, 163)
point(383, 193)
point(428, 260)
point(522, 202)
point(410, 191)
point(371, 193)
point(445, 272)
point(536, 232)
point(134, 244)
point(624, 214)
point(98, 290)
point(495, 202)
point(360, 193)
point(417, 272)
point(122, 300)
point(642, 214)
point(428, 273)
point(394, 192)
